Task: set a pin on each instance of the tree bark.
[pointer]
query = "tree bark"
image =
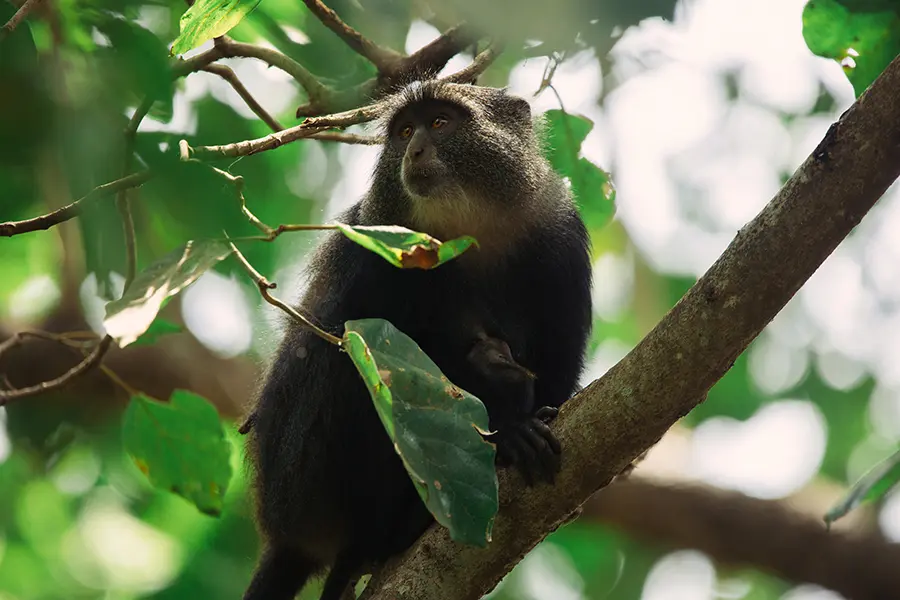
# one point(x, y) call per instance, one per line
point(617, 417)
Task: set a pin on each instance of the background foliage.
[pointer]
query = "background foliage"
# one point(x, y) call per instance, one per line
point(78, 518)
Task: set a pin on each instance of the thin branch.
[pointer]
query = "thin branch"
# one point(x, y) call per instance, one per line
point(470, 73)
point(18, 17)
point(228, 75)
point(123, 202)
point(92, 360)
point(315, 89)
point(70, 211)
point(265, 285)
point(619, 416)
point(346, 138)
point(384, 59)
point(306, 129)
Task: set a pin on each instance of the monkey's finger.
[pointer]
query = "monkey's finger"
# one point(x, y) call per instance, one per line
point(527, 457)
point(548, 461)
point(547, 413)
point(544, 430)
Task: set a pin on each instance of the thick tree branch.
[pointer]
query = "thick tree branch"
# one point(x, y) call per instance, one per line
point(739, 530)
point(27, 7)
point(616, 418)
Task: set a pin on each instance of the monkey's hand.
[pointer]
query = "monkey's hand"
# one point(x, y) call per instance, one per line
point(531, 446)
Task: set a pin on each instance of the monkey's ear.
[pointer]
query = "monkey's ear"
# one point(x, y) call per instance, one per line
point(519, 107)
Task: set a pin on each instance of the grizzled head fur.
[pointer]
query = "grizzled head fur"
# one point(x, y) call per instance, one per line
point(489, 164)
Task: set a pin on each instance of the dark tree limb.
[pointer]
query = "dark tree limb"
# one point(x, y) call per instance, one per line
point(619, 416)
point(228, 75)
point(735, 529)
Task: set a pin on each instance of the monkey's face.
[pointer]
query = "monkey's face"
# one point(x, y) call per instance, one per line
point(420, 132)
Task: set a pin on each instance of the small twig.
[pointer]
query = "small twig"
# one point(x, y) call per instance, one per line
point(228, 75)
point(265, 285)
point(92, 360)
point(478, 66)
point(114, 377)
point(18, 338)
point(70, 211)
point(123, 202)
point(18, 17)
point(384, 59)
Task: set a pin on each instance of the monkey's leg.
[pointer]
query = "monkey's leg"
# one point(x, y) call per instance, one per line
point(527, 443)
point(345, 571)
point(280, 575)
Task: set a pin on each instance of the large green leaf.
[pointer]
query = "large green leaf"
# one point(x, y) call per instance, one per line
point(436, 428)
point(180, 446)
point(863, 36)
point(404, 247)
point(139, 60)
point(592, 186)
point(207, 19)
point(131, 315)
point(872, 486)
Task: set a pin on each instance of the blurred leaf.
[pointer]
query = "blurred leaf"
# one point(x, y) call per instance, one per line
point(207, 19)
point(846, 413)
point(872, 486)
point(130, 316)
point(404, 247)
point(25, 100)
point(141, 61)
point(436, 428)
point(862, 41)
point(180, 446)
point(592, 186)
point(158, 328)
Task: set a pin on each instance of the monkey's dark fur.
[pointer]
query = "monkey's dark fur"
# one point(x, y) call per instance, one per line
point(507, 322)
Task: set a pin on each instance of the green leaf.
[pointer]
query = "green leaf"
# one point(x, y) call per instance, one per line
point(131, 315)
point(180, 446)
point(592, 187)
point(141, 60)
point(863, 36)
point(436, 428)
point(157, 329)
point(404, 247)
point(207, 19)
point(873, 485)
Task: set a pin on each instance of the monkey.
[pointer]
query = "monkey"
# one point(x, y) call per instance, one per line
point(507, 321)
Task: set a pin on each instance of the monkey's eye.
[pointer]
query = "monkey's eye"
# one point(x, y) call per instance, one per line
point(438, 122)
point(406, 131)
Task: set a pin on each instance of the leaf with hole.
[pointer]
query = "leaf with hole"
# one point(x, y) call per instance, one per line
point(130, 316)
point(207, 19)
point(592, 187)
point(873, 485)
point(436, 428)
point(404, 247)
point(180, 446)
point(862, 35)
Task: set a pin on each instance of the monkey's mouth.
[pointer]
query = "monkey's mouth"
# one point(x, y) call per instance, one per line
point(421, 182)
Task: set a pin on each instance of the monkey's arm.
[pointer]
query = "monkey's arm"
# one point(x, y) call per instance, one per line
point(526, 441)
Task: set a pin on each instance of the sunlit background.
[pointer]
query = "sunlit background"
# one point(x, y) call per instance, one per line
point(700, 121)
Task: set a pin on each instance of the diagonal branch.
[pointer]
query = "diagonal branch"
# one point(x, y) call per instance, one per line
point(228, 75)
point(735, 529)
point(619, 416)
point(70, 211)
point(384, 59)
point(27, 7)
